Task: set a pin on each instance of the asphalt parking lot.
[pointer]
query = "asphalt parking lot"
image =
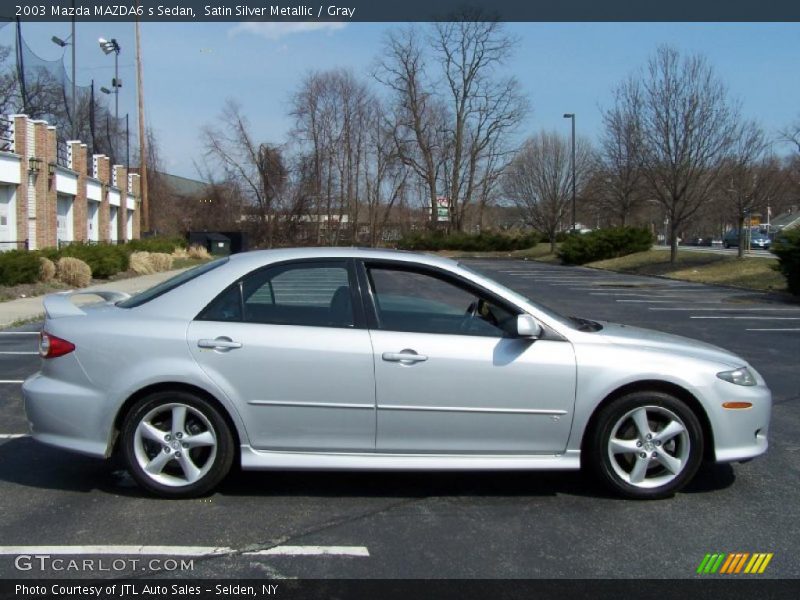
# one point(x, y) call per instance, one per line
point(417, 525)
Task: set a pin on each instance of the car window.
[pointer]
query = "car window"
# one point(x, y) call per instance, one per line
point(170, 284)
point(312, 294)
point(407, 300)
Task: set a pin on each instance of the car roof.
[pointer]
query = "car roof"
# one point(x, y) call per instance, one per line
point(261, 257)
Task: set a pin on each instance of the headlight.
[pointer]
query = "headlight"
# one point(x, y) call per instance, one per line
point(740, 376)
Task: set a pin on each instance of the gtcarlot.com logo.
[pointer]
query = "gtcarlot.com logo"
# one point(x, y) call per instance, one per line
point(735, 563)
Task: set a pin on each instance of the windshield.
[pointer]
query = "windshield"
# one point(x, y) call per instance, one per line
point(170, 284)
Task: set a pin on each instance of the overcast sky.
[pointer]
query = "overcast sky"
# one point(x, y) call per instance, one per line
point(191, 68)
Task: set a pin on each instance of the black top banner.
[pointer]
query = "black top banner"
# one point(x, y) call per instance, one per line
point(403, 10)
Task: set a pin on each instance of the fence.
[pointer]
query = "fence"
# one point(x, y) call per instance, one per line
point(6, 134)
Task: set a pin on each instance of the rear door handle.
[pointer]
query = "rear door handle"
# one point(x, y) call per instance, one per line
point(404, 356)
point(221, 343)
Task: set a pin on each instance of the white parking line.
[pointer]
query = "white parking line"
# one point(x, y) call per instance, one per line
point(12, 381)
point(19, 353)
point(772, 329)
point(312, 551)
point(12, 436)
point(185, 550)
point(669, 301)
point(729, 309)
point(19, 333)
point(747, 318)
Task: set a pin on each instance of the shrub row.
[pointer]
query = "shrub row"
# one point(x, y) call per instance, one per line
point(602, 244)
point(786, 247)
point(22, 266)
point(481, 242)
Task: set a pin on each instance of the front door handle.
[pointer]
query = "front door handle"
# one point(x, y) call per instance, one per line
point(220, 343)
point(406, 356)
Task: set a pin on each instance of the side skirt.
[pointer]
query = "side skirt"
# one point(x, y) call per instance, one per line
point(318, 461)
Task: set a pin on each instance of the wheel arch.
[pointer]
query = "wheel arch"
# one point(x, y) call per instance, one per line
point(125, 409)
point(655, 385)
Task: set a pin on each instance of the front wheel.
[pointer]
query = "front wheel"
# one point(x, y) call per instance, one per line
point(176, 444)
point(646, 445)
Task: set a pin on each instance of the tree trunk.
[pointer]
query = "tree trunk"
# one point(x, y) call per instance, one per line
point(742, 240)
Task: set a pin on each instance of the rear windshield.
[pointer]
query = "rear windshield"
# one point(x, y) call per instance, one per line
point(170, 284)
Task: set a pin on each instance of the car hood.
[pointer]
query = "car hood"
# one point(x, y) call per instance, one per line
point(626, 335)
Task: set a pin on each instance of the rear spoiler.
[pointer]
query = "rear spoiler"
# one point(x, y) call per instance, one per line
point(60, 305)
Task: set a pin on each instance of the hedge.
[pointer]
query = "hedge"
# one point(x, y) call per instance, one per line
point(786, 246)
point(603, 244)
point(481, 242)
point(18, 266)
point(105, 260)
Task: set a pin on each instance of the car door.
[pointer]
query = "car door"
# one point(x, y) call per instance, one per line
point(287, 344)
point(450, 378)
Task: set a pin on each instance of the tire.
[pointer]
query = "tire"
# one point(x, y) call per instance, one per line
point(173, 459)
point(634, 465)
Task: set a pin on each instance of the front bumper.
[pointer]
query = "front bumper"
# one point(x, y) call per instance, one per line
point(739, 434)
point(67, 415)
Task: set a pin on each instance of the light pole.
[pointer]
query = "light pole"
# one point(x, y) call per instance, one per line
point(64, 43)
point(109, 46)
point(571, 116)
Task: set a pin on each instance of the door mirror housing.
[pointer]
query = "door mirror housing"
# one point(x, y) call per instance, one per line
point(528, 327)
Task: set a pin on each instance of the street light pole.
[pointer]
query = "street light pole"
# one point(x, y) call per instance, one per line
point(571, 116)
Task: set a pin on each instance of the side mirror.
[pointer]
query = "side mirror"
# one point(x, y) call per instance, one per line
point(528, 327)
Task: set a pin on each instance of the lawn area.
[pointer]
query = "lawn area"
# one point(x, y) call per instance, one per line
point(701, 267)
point(540, 252)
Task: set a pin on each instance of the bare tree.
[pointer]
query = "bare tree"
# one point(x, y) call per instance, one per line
point(687, 126)
point(750, 176)
point(258, 168)
point(482, 108)
point(539, 180)
point(619, 188)
point(419, 117)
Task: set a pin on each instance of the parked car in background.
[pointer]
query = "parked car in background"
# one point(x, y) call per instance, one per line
point(758, 241)
point(700, 241)
point(345, 358)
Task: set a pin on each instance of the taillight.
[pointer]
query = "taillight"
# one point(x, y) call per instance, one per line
point(51, 346)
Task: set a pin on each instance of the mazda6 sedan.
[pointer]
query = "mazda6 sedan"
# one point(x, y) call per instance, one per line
point(341, 358)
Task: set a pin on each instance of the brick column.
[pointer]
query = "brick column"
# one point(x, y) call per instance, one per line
point(79, 207)
point(135, 189)
point(21, 148)
point(103, 174)
point(122, 217)
point(45, 211)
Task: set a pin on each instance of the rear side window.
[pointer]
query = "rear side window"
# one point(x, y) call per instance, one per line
point(170, 284)
point(310, 294)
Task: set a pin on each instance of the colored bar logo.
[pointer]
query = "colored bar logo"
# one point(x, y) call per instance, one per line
point(734, 563)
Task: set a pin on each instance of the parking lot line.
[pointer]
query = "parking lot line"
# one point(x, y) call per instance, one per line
point(19, 352)
point(753, 318)
point(12, 381)
point(12, 436)
point(19, 333)
point(728, 309)
point(185, 550)
point(760, 329)
point(311, 551)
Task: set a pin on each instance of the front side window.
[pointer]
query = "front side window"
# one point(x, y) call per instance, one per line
point(421, 302)
point(311, 294)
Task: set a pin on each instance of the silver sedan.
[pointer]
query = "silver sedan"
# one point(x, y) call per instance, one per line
point(365, 359)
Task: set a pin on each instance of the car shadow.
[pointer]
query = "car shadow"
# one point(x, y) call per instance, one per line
point(27, 463)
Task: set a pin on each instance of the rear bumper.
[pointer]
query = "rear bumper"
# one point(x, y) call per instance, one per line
point(67, 415)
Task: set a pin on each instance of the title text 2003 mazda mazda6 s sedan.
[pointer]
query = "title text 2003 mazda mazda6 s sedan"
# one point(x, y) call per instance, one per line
point(367, 359)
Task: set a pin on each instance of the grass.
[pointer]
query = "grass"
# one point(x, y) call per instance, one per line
point(701, 267)
point(539, 252)
point(186, 263)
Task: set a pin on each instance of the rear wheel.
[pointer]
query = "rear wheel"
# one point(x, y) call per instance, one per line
point(646, 445)
point(177, 444)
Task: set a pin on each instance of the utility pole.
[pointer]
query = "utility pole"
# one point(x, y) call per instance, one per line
point(142, 137)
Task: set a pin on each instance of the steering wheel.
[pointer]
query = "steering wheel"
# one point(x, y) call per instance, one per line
point(469, 315)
